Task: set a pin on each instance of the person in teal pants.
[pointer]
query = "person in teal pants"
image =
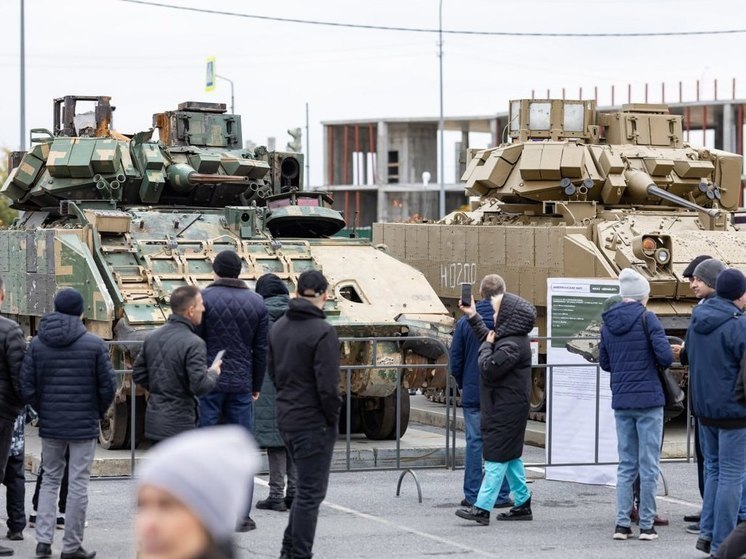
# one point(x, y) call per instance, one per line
point(504, 390)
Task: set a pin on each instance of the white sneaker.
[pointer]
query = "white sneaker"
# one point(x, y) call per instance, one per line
point(648, 534)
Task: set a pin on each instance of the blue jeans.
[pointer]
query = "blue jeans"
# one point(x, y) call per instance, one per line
point(639, 435)
point(473, 459)
point(725, 464)
point(495, 474)
point(234, 409)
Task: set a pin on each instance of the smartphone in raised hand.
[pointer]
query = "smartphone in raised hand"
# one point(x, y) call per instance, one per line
point(466, 294)
point(218, 359)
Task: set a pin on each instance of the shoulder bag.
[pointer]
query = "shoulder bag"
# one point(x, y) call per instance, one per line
point(671, 390)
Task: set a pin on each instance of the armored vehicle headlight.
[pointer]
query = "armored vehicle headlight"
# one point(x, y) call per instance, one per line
point(662, 256)
point(649, 245)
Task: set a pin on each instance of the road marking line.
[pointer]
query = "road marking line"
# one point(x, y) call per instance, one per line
point(680, 502)
point(673, 500)
point(396, 526)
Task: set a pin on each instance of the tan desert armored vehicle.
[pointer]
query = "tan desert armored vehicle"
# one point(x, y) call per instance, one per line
point(580, 194)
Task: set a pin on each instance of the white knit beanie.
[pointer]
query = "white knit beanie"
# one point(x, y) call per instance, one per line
point(209, 471)
point(632, 285)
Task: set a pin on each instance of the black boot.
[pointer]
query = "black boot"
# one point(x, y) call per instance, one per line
point(80, 553)
point(480, 516)
point(522, 512)
point(272, 503)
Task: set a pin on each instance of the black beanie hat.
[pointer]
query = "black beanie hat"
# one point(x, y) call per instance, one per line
point(227, 264)
point(312, 283)
point(689, 270)
point(269, 285)
point(69, 301)
point(731, 284)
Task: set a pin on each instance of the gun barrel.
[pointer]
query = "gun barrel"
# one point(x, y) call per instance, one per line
point(640, 184)
point(665, 195)
point(202, 178)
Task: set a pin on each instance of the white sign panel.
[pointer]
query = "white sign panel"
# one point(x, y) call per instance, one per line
point(580, 421)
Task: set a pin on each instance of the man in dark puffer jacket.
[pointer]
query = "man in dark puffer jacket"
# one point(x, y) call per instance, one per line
point(716, 347)
point(68, 378)
point(13, 346)
point(235, 320)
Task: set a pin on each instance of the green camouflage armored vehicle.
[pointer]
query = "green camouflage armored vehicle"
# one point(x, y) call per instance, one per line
point(126, 220)
point(580, 194)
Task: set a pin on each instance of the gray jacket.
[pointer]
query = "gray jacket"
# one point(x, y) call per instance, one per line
point(172, 366)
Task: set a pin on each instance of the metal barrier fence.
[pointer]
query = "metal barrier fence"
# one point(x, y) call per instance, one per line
point(349, 371)
point(549, 379)
point(450, 446)
point(399, 367)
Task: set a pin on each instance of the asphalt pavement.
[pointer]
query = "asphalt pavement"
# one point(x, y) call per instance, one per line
point(362, 517)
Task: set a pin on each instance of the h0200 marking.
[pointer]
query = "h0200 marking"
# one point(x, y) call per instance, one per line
point(453, 274)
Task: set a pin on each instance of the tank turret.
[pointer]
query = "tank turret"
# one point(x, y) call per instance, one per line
point(564, 155)
point(197, 160)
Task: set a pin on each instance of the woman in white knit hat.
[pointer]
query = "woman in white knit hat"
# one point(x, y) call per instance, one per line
point(192, 489)
point(633, 347)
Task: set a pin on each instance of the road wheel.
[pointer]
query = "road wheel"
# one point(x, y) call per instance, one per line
point(379, 417)
point(356, 424)
point(113, 428)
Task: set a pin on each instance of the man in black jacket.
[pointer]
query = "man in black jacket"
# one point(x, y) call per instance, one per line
point(303, 363)
point(68, 378)
point(13, 346)
point(172, 366)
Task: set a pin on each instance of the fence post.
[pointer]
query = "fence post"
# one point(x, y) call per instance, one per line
point(598, 408)
point(133, 423)
point(349, 417)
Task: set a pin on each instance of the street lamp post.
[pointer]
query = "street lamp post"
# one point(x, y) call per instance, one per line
point(441, 123)
point(233, 107)
point(23, 78)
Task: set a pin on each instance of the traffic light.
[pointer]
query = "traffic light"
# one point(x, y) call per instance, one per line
point(296, 144)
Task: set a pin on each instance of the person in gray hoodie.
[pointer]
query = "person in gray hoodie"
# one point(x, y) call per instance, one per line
point(276, 299)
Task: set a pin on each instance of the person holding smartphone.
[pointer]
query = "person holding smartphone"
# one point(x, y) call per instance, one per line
point(504, 394)
point(465, 369)
point(172, 366)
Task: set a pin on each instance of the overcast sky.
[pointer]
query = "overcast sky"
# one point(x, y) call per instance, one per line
point(149, 59)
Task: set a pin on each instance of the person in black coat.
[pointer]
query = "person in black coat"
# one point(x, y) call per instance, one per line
point(505, 386)
point(172, 366)
point(303, 363)
point(266, 432)
point(13, 345)
point(68, 378)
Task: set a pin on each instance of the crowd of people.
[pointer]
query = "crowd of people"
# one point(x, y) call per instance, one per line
point(208, 365)
point(635, 349)
point(490, 360)
point(289, 400)
point(220, 376)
